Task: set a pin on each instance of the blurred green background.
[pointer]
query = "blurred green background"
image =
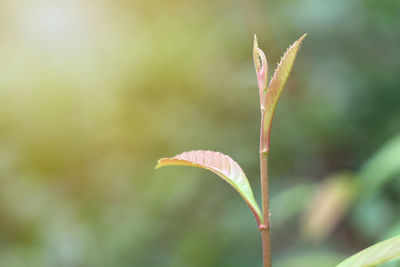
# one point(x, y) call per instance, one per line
point(92, 93)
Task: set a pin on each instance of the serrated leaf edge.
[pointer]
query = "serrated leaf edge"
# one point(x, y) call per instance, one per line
point(274, 76)
point(252, 203)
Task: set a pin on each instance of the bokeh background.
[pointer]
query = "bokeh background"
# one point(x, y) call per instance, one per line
point(92, 93)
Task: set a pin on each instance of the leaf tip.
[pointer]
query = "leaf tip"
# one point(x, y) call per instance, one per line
point(302, 38)
point(256, 59)
point(159, 164)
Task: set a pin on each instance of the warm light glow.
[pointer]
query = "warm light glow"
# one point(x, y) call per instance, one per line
point(52, 23)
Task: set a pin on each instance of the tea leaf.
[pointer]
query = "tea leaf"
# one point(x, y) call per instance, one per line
point(281, 74)
point(377, 254)
point(223, 166)
point(261, 65)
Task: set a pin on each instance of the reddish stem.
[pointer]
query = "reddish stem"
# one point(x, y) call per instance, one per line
point(264, 150)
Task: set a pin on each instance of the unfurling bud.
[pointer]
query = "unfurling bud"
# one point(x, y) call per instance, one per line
point(261, 65)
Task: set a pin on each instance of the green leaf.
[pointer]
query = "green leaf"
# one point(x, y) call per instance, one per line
point(223, 166)
point(381, 167)
point(377, 254)
point(281, 75)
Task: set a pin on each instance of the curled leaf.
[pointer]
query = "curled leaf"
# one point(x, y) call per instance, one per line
point(223, 166)
point(261, 65)
point(377, 254)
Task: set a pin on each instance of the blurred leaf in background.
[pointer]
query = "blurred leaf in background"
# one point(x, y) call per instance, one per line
point(328, 205)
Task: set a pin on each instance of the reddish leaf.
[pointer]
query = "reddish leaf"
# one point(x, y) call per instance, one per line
point(261, 65)
point(281, 74)
point(223, 166)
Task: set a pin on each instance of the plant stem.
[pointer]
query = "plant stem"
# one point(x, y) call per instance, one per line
point(264, 150)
